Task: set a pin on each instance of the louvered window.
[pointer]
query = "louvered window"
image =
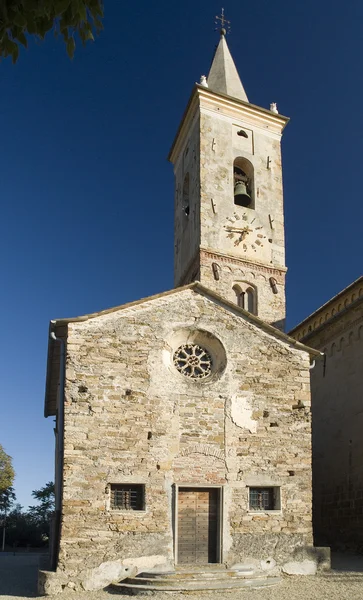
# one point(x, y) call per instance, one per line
point(127, 496)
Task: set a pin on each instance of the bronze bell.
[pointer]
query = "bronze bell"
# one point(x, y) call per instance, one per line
point(241, 196)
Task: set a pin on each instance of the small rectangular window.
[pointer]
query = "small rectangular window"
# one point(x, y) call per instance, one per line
point(127, 496)
point(264, 498)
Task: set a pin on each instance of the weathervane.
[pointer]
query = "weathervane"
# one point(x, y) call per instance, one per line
point(225, 24)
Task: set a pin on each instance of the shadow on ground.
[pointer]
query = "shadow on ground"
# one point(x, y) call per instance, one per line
point(19, 574)
point(343, 563)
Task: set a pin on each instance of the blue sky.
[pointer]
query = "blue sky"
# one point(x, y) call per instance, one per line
point(87, 192)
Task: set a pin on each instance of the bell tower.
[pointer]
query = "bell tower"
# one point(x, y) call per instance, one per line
point(229, 224)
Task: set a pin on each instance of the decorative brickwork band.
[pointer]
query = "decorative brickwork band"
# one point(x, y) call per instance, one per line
point(278, 273)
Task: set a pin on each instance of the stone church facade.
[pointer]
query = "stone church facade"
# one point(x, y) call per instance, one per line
point(183, 429)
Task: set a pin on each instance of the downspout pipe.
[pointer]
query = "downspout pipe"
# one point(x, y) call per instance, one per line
point(60, 450)
point(314, 361)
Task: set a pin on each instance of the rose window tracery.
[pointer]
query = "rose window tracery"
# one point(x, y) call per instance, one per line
point(193, 361)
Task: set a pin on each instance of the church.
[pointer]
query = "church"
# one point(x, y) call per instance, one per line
point(183, 420)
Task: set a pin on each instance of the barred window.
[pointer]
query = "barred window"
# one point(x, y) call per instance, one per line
point(264, 498)
point(127, 496)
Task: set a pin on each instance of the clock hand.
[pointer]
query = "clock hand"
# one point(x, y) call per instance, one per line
point(238, 230)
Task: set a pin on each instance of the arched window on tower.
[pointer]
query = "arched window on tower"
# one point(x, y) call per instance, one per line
point(243, 183)
point(250, 294)
point(240, 296)
point(246, 297)
point(186, 207)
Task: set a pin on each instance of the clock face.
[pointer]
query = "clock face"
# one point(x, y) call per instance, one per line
point(247, 234)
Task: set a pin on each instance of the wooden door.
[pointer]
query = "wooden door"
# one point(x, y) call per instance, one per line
point(198, 524)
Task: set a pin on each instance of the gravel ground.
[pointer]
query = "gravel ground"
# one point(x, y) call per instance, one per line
point(18, 575)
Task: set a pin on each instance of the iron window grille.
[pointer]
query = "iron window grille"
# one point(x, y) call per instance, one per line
point(267, 498)
point(127, 496)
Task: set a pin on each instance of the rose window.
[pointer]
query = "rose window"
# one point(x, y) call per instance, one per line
point(193, 361)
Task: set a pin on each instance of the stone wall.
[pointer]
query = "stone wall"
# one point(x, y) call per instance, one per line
point(130, 417)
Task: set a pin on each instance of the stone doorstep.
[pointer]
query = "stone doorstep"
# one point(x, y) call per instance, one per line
point(181, 581)
point(142, 578)
point(199, 585)
point(187, 578)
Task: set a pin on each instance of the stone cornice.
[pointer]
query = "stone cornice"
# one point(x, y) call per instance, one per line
point(331, 310)
point(251, 113)
point(335, 327)
point(256, 115)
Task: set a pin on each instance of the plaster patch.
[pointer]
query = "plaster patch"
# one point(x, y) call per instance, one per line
point(241, 413)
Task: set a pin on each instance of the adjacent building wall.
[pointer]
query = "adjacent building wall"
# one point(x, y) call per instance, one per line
point(337, 410)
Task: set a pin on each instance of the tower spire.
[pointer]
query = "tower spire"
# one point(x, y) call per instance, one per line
point(223, 76)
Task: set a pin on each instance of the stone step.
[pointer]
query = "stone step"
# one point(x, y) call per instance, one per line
point(200, 567)
point(205, 574)
point(195, 585)
point(172, 581)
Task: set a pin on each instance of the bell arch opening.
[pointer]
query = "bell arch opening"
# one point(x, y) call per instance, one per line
point(243, 182)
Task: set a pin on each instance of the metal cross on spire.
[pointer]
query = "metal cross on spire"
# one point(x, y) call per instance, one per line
point(225, 24)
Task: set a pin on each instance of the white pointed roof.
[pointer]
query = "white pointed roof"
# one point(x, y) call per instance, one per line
point(223, 76)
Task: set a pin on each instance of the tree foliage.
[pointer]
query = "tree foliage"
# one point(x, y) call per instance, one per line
point(67, 18)
point(31, 527)
point(42, 512)
point(22, 530)
point(7, 499)
point(6, 471)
